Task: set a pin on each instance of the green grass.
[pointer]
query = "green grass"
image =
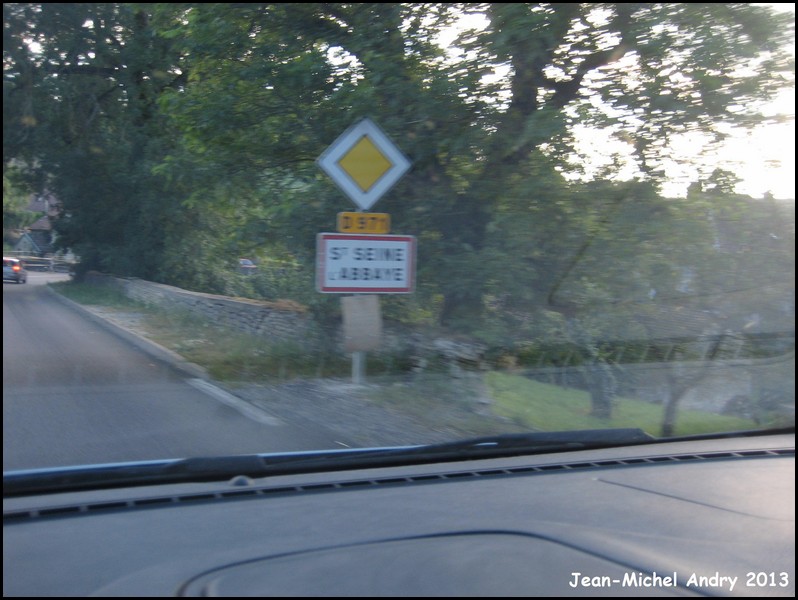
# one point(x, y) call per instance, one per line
point(445, 402)
point(544, 407)
point(229, 355)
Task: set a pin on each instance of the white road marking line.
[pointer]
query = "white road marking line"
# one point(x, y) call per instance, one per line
point(245, 408)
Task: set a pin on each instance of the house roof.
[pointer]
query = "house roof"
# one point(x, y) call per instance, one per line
point(34, 241)
point(44, 203)
point(43, 240)
point(41, 224)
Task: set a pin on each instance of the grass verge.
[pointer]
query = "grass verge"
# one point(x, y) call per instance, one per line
point(233, 356)
point(480, 404)
point(545, 407)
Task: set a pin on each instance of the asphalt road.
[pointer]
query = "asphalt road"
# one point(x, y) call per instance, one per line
point(76, 393)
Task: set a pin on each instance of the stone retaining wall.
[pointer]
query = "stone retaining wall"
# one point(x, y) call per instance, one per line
point(284, 320)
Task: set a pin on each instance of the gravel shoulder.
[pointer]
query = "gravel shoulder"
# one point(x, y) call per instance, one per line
point(344, 408)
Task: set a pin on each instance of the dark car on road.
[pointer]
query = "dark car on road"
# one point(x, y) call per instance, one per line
point(14, 270)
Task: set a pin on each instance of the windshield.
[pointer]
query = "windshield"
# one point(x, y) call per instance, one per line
point(461, 221)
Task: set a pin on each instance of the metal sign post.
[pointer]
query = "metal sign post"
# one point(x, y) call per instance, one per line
point(362, 330)
point(365, 164)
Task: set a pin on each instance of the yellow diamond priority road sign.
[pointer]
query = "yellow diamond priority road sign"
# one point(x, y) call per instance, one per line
point(364, 163)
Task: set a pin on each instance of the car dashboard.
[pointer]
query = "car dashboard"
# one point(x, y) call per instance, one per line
point(698, 517)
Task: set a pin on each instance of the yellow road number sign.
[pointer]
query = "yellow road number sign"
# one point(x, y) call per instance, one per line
point(358, 222)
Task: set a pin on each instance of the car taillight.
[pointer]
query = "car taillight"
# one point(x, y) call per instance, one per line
point(16, 267)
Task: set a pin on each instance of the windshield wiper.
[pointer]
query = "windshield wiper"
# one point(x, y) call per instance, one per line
point(512, 444)
point(221, 468)
point(200, 469)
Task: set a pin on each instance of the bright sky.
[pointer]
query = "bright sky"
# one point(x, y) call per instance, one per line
point(764, 159)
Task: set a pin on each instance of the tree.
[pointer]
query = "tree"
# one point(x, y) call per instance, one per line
point(81, 83)
point(16, 198)
point(271, 86)
point(195, 127)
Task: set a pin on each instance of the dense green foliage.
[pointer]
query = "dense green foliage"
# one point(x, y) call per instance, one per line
point(179, 136)
point(15, 205)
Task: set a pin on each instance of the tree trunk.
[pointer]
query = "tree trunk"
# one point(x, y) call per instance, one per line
point(601, 383)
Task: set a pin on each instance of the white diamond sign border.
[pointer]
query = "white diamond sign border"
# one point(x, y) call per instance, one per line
point(328, 162)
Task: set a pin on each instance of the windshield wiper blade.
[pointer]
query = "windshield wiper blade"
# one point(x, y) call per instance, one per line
point(472, 448)
point(219, 468)
point(542, 441)
point(222, 468)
